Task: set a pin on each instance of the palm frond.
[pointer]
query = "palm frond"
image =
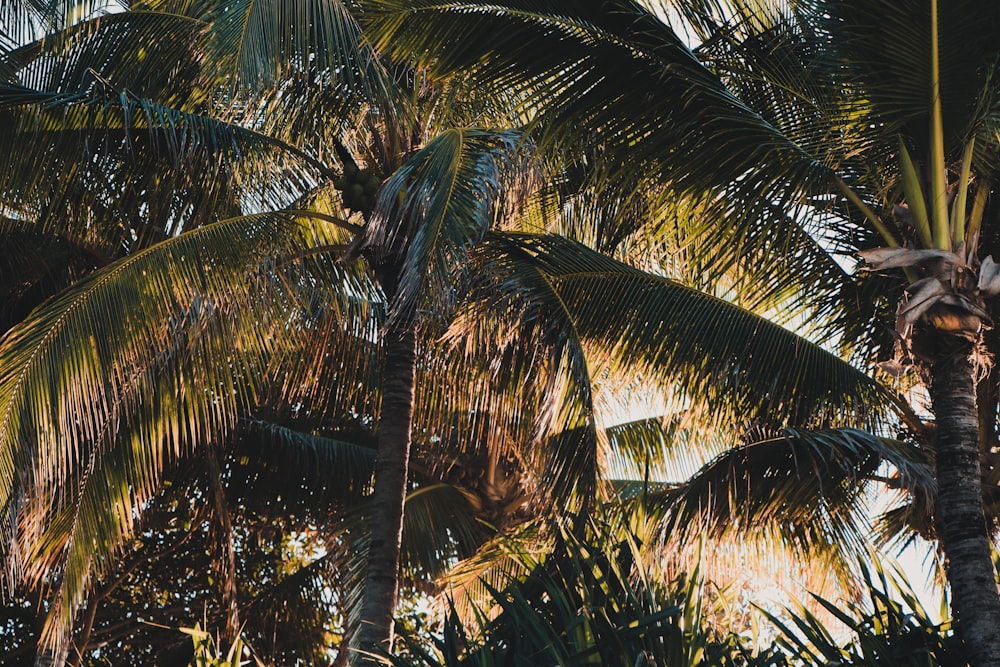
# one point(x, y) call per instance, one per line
point(441, 202)
point(22, 21)
point(888, 45)
point(657, 449)
point(806, 490)
point(728, 364)
point(297, 615)
point(513, 316)
point(501, 560)
point(890, 625)
point(253, 43)
point(614, 78)
point(439, 527)
point(123, 48)
point(134, 365)
point(584, 604)
point(302, 472)
point(110, 139)
point(34, 267)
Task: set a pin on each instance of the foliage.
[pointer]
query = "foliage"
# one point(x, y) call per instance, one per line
point(170, 576)
point(196, 169)
point(207, 652)
point(890, 628)
point(585, 603)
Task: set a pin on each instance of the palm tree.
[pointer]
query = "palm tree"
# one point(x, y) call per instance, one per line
point(147, 163)
point(793, 134)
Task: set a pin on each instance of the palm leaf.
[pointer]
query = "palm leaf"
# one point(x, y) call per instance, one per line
point(253, 43)
point(34, 267)
point(656, 449)
point(806, 490)
point(316, 473)
point(513, 316)
point(498, 562)
point(121, 47)
point(728, 363)
point(889, 42)
point(441, 202)
point(669, 117)
point(439, 526)
point(26, 20)
point(126, 367)
point(101, 136)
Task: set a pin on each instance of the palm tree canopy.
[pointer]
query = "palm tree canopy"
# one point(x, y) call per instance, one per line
point(778, 122)
point(750, 150)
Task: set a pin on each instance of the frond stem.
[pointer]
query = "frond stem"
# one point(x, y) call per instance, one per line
point(340, 222)
point(339, 249)
point(958, 208)
point(906, 413)
point(872, 217)
point(939, 194)
point(976, 216)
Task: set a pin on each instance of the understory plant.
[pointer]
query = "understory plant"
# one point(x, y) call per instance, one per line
point(588, 603)
point(887, 626)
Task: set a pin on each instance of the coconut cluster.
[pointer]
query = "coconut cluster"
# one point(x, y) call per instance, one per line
point(358, 187)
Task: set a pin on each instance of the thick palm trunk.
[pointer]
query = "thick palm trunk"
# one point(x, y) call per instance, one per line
point(386, 522)
point(966, 542)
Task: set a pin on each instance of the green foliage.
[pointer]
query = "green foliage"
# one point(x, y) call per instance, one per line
point(125, 131)
point(208, 652)
point(586, 603)
point(891, 628)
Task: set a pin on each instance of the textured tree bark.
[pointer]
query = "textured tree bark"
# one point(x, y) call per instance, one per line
point(964, 536)
point(391, 469)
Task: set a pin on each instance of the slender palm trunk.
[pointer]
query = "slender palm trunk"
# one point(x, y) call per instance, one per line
point(386, 521)
point(964, 537)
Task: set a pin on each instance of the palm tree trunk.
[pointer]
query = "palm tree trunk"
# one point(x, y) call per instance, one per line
point(964, 536)
point(386, 521)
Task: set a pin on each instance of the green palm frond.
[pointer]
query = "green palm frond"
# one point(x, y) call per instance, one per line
point(135, 365)
point(651, 227)
point(149, 53)
point(439, 526)
point(888, 42)
point(112, 139)
point(889, 626)
point(489, 403)
point(34, 267)
point(656, 449)
point(22, 21)
point(584, 603)
point(438, 204)
point(502, 559)
point(300, 470)
point(807, 489)
point(612, 77)
point(324, 373)
point(513, 315)
point(253, 43)
point(728, 364)
point(771, 57)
